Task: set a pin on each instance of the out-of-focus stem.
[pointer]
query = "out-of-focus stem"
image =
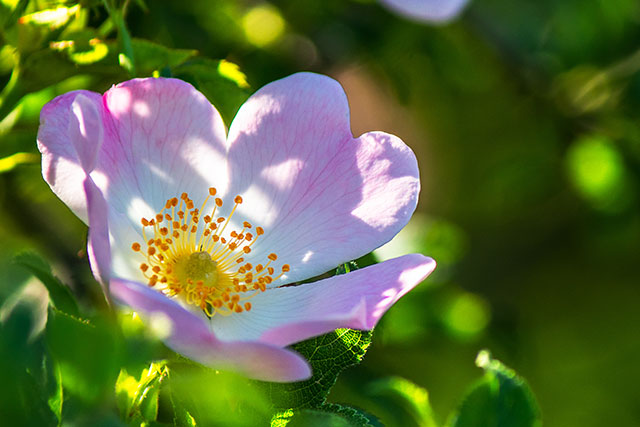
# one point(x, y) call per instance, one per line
point(11, 94)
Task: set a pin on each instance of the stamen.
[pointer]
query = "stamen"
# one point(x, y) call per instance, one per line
point(188, 255)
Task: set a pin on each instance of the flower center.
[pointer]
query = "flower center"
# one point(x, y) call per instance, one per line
point(190, 257)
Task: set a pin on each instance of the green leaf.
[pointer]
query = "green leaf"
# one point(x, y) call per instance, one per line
point(224, 85)
point(59, 294)
point(327, 415)
point(203, 396)
point(88, 354)
point(328, 355)
point(138, 397)
point(401, 402)
point(26, 377)
point(500, 399)
point(150, 57)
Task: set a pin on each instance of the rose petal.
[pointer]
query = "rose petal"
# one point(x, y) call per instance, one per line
point(165, 138)
point(322, 196)
point(98, 246)
point(356, 300)
point(85, 130)
point(426, 10)
point(60, 161)
point(190, 335)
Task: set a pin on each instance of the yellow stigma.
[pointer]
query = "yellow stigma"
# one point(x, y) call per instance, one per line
point(190, 257)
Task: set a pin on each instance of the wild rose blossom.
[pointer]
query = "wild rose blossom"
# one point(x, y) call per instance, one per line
point(436, 11)
point(211, 232)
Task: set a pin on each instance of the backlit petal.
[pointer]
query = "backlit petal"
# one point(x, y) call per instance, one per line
point(189, 335)
point(322, 196)
point(285, 315)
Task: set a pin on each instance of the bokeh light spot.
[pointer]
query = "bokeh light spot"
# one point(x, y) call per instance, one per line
point(597, 171)
point(467, 315)
point(263, 25)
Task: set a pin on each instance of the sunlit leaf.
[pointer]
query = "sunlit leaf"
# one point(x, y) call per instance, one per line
point(10, 162)
point(327, 415)
point(88, 354)
point(403, 403)
point(500, 399)
point(328, 355)
point(53, 18)
point(59, 293)
point(220, 81)
point(202, 396)
point(138, 397)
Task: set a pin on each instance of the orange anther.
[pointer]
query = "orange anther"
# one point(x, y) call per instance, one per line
point(239, 260)
point(144, 267)
point(159, 218)
point(174, 202)
point(135, 246)
point(190, 204)
point(218, 202)
point(219, 220)
point(270, 270)
point(238, 309)
point(246, 224)
point(286, 268)
point(155, 269)
point(168, 217)
point(238, 199)
point(207, 219)
point(272, 257)
point(144, 222)
point(259, 231)
point(164, 231)
point(184, 196)
point(259, 268)
point(151, 250)
point(212, 191)
point(246, 249)
point(247, 306)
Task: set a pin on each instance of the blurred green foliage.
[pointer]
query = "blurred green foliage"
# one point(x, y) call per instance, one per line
point(524, 119)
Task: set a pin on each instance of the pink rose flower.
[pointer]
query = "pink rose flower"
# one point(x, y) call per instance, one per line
point(426, 10)
point(205, 229)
